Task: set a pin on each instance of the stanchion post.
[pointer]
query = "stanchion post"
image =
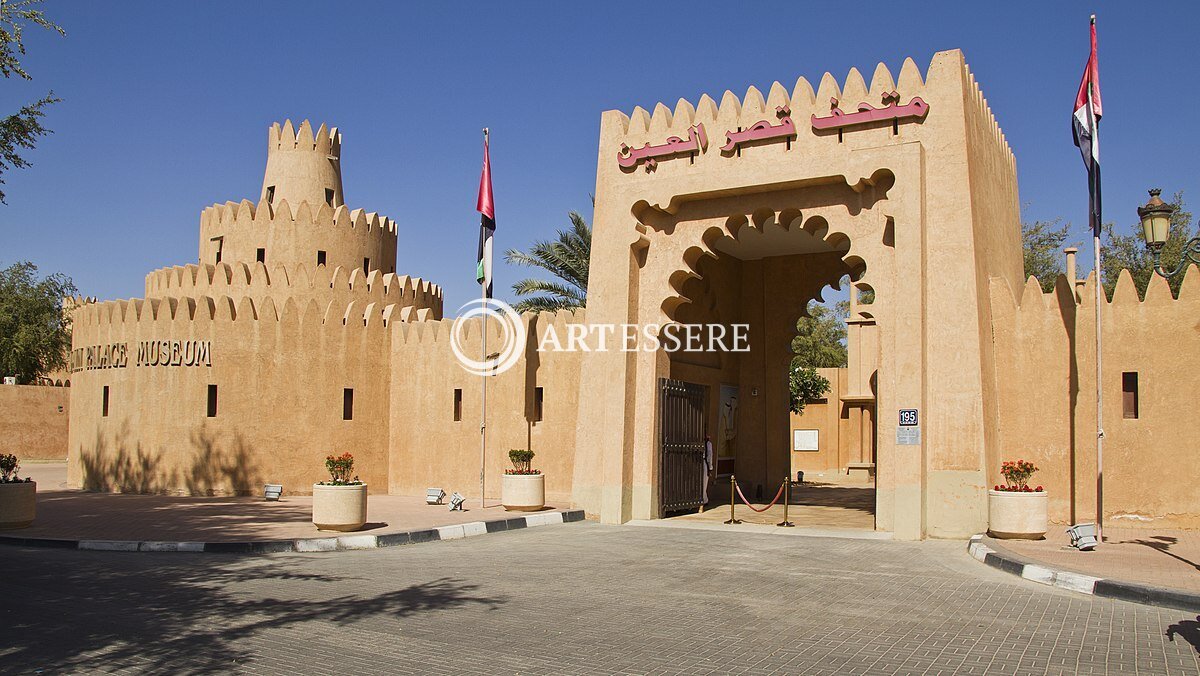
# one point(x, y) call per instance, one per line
point(732, 499)
point(787, 498)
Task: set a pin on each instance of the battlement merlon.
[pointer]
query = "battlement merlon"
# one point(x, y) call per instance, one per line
point(303, 167)
point(947, 72)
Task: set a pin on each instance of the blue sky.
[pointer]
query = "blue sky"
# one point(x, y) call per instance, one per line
point(166, 107)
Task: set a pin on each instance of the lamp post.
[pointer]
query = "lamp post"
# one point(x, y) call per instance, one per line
point(1156, 227)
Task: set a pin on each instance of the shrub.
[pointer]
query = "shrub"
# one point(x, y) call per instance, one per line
point(8, 469)
point(340, 467)
point(1016, 473)
point(806, 385)
point(521, 459)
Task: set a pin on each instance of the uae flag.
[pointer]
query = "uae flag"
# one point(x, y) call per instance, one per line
point(1085, 123)
point(487, 223)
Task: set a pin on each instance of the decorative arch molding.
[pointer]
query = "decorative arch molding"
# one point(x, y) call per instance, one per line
point(749, 235)
point(855, 196)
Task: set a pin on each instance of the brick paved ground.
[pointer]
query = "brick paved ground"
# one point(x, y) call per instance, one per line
point(76, 515)
point(581, 598)
point(1165, 558)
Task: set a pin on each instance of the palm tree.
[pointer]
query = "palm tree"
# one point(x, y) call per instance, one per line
point(566, 258)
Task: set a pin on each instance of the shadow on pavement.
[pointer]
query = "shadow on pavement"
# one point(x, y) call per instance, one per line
point(180, 618)
point(1188, 630)
point(1163, 544)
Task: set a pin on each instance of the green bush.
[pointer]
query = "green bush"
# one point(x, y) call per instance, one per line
point(806, 385)
point(521, 459)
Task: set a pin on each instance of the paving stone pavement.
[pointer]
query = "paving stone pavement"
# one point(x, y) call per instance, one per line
point(575, 599)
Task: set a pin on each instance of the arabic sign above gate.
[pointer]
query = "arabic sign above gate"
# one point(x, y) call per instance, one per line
point(891, 110)
point(697, 139)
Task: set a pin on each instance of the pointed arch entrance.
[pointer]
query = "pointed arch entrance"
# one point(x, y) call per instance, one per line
point(759, 270)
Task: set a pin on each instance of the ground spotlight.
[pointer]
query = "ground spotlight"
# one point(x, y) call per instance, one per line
point(1083, 536)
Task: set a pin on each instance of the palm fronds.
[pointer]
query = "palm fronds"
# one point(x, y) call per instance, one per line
point(567, 258)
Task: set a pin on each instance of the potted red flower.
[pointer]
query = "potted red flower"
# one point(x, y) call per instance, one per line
point(1016, 510)
point(341, 503)
point(524, 488)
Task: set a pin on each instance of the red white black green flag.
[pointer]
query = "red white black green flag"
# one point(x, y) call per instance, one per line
point(487, 223)
point(1085, 123)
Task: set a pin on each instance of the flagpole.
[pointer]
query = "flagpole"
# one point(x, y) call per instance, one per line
point(483, 288)
point(1096, 220)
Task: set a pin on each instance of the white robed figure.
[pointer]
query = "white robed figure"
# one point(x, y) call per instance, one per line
point(708, 470)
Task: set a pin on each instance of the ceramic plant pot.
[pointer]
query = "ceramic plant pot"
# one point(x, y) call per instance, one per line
point(1015, 515)
point(339, 508)
point(523, 492)
point(18, 501)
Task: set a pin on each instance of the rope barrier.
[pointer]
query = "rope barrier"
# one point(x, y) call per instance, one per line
point(752, 507)
point(787, 482)
point(732, 502)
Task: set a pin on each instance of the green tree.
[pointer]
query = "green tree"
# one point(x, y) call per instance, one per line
point(806, 385)
point(820, 340)
point(34, 334)
point(567, 258)
point(1129, 252)
point(1042, 243)
point(22, 129)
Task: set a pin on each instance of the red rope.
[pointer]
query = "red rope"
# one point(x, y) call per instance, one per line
point(743, 497)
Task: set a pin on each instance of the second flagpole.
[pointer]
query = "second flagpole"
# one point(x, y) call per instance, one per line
point(483, 382)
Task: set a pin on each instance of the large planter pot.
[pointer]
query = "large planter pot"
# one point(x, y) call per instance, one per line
point(524, 492)
point(1014, 515)
point(340, 508)
point(17, 504)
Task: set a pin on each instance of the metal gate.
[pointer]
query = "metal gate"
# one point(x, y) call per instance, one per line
point(682, 425)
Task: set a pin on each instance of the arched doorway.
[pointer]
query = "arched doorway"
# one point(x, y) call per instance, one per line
point(760, 272)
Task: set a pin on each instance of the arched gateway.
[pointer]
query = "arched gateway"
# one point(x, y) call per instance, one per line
point(740, 213)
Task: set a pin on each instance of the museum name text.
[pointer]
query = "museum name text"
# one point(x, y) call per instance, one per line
point(149, 353)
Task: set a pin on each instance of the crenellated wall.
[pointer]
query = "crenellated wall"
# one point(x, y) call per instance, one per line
point(1046, 397)
point(431, 448)
point(293, 236)
point(280, 372)
point(302, 167)
point(413, 298)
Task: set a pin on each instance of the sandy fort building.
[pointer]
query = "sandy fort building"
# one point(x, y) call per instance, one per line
point(293, 337)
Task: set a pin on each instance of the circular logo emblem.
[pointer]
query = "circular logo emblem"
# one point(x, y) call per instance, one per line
point(512, 336)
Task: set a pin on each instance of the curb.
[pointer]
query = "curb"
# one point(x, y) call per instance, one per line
point(1020, 566)
point(323, 544)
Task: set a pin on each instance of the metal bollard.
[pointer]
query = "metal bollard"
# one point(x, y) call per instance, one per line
point(732, 499)
point(787, 498)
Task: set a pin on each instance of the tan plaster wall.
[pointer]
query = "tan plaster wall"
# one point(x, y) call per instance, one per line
point(292, 235)
point(280, 377)
point(431, 449)
point(33, 421)
point(825, 416)
point(1046, 395)
point(412, 298)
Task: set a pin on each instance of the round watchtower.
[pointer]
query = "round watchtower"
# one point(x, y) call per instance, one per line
point(301, 217)
point(302, 167)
